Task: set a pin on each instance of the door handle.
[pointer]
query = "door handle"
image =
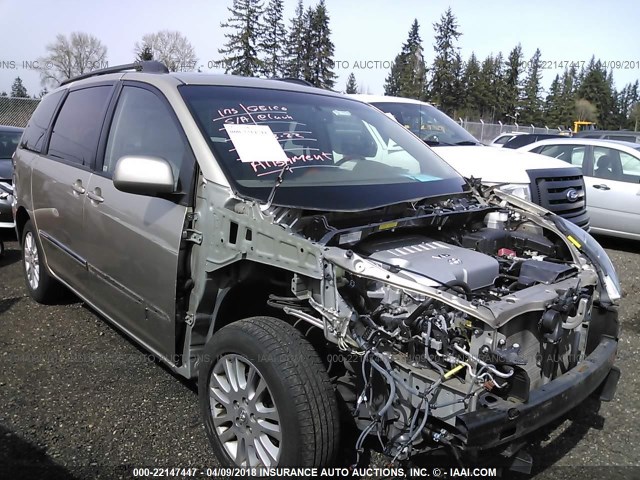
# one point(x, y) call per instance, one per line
point(95, 196)
point(602, 187)
point(78, 188)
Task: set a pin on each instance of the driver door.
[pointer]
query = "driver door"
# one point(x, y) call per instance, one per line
point(134, 240)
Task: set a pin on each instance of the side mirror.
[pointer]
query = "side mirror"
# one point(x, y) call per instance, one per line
point(143, 175)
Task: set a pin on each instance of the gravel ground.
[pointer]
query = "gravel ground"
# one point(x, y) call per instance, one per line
point(79, 400)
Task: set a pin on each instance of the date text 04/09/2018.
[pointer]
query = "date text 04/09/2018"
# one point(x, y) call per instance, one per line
point(309, 472)
point(579, 64)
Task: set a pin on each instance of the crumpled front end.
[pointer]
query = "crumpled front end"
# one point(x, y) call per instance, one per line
point(468, 326)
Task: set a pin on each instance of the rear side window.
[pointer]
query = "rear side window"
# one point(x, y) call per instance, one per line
point(34, 134)
point(77, 128)
point(573, 154)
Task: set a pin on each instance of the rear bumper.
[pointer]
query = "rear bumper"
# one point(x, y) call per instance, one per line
point(506, 421)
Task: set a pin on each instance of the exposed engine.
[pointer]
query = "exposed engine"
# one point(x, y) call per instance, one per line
point(479, 306)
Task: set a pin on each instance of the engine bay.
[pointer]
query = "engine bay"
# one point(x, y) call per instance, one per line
point(457, 307)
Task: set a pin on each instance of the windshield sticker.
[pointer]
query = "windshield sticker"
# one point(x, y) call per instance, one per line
point(256, 144)
point(296, 144)
point(342, 113)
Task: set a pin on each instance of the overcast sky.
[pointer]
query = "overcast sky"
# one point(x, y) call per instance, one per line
point(362, 31)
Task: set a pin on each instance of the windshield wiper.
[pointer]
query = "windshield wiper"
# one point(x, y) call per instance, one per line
point(437, 143)
point(467, 142)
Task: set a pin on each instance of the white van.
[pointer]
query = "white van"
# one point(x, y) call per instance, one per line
point(547, 182)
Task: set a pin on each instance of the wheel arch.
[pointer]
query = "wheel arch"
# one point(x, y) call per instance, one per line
point(22, 217)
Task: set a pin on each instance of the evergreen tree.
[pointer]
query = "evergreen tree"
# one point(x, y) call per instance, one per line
point(306, 42)
point(273, 40)
point(296, 49)
point(352, 86)
point(619, 108)
point(634, 116)
point(491, 89)
point(470, 83)
point(407, 77)
point(145, 53)
point(498, 89)
point(631, 101)
point(444, 89)
point(513, 70)
point(531, 102)
point(320, 64)
point(567, 99)
point(552, 114)
point(3, 94)
point(596, 87)
point(18, 89)
point(241, 56)
point(486, 80)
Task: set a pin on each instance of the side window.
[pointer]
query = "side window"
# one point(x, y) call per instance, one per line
point(606, 163)
point(630, 167)
point(34, 134)
point(76, 130)
point(573, 154)
point(577, 156)
point(554, 151)
point(144, 125)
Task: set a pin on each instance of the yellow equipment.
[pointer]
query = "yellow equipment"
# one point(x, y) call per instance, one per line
point(580, 125)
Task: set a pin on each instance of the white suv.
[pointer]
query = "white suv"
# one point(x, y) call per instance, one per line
point(548, 182)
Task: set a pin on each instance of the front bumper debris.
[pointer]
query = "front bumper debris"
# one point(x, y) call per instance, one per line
point(504, 421)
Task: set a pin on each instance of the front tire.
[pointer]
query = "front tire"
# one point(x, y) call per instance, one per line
point(266, 398)
point(42, 287)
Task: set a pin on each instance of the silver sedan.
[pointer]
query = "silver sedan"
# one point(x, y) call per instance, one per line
point(612, 176)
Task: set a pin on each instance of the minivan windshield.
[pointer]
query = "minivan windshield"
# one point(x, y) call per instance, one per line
point(427, 122)
point(341, 154)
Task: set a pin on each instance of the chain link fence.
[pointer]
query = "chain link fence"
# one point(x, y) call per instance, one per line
point(15, 111)
point(486, 132)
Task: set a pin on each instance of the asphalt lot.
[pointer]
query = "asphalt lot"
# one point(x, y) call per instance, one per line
point(79, 400)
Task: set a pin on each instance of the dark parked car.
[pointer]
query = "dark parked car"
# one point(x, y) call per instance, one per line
point(619, 135)
point(9, 138)
point(522, 140)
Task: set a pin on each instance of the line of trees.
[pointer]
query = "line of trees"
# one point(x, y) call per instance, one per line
point(259, 43)
point(508, 90)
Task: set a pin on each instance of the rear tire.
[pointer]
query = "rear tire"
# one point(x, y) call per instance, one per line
point(42, 287)
point(266, 398)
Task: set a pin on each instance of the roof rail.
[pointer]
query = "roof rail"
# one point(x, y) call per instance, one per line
point(298, 81)
point(145, 66)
